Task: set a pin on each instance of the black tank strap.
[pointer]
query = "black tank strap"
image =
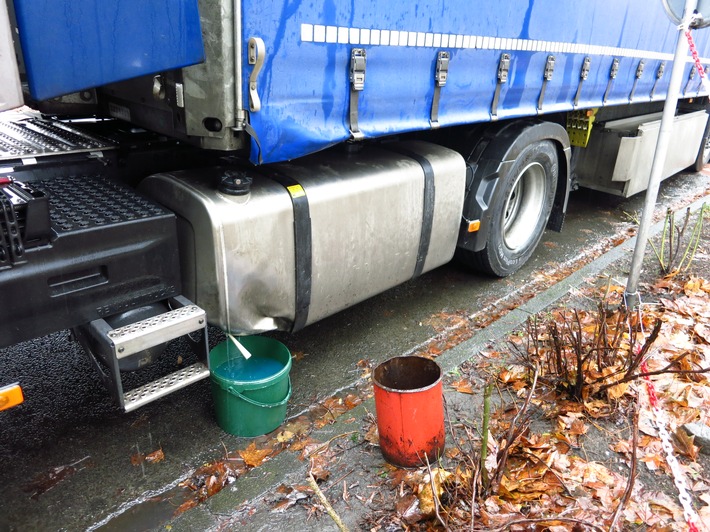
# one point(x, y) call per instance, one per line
point(303, 245)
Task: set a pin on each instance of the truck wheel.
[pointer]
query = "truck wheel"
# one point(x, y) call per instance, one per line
point(704, 152)
point(519, 212)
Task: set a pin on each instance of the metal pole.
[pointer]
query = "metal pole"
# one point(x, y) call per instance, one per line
point(631, 295)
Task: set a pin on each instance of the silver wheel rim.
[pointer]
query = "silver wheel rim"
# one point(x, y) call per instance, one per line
point(523, 207)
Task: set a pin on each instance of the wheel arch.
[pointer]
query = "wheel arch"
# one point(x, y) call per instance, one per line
point(491, 154)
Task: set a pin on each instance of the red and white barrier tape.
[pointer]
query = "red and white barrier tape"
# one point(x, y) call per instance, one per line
point(696, 58)
point(660, 420)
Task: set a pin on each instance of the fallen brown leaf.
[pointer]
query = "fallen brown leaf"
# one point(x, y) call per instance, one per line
point(453, 452)
point(291, 497)
point(155, 456)
point(351, 401)
point(578, 427)
point(463, 385)
point(318, 467)
point(46, 481)
point(210, 479)
point(254, 457)
point(187, 505)
point(301, 443)
point(702, 331)
point(684, 444)
point(297, 356)
point(407, 507)
point(513, 374)
point(371, 435)
point(285, 436)
point(426, 494)
point(617, 391)
point(653, 461)
point(333, 407)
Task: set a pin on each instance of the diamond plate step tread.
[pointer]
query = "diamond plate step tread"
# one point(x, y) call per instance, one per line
point(81, 203)
point(152, 331)
point(22, 136)
point(152, 391)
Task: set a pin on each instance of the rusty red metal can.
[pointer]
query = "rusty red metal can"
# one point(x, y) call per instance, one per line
point(410, 410)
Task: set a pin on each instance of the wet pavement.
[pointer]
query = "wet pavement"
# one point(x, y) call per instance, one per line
point(68, 436)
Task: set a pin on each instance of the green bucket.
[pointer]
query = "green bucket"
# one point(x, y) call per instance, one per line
point(250, 395)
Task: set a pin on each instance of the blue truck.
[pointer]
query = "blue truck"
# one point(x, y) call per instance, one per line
point(259, 166)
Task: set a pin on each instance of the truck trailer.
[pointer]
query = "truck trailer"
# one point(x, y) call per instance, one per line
point(258, 166)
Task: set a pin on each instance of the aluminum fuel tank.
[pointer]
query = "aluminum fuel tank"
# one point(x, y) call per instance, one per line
point(376, 217)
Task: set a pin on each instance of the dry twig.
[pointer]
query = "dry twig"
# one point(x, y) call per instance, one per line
point(632, 474)
point(325, 444)
point(434, 494)
point(517, 428)
point(328, 508)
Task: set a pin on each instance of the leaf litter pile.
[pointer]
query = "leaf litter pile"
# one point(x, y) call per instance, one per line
point(565, 440)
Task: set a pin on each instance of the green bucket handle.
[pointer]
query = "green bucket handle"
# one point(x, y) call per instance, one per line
point(236, 392)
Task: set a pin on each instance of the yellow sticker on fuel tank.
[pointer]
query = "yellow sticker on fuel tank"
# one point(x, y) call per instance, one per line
point(296, 191)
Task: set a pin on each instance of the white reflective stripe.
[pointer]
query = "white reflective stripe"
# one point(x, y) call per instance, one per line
point(331, 34)
point(354, 36)
point(319, 33)
point(375, 37)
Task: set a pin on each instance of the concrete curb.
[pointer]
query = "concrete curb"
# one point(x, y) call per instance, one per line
point(278, 470)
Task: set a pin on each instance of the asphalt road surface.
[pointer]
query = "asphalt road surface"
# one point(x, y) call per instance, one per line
point(68, 436)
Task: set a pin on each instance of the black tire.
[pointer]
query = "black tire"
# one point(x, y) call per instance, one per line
point(703, 157)
point(519, 212)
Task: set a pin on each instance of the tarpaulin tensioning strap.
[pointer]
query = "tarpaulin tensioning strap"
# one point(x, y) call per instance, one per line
point(303, 245)
point(427, 207)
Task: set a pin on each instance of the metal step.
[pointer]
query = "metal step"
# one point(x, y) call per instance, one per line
point(165, 385)
point(108, 345)
point(28, 135)
point(143, 334)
